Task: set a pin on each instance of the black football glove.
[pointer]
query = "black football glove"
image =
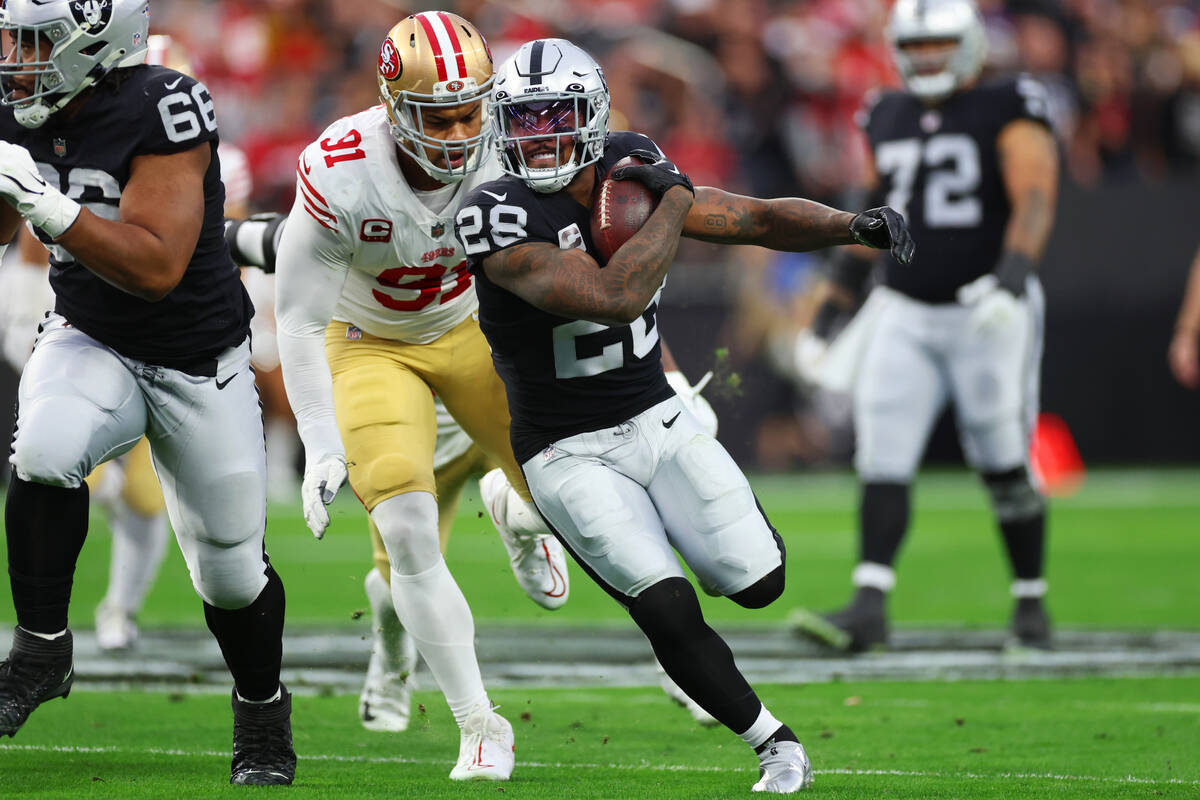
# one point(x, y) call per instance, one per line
point(1012, 270)
point(657, 174)
point(884, 229)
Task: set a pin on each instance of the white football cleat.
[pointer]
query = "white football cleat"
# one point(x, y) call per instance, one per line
point(487, 751)
point(115, 628)
point(681, 697)
point(387, 693)
point(783, 768)
point(537, 558)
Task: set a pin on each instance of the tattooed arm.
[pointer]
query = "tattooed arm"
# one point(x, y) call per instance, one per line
point(571, 284)
point(1029, 166)
point(788, 223)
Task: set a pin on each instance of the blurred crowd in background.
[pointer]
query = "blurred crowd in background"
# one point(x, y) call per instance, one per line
point(756, 96)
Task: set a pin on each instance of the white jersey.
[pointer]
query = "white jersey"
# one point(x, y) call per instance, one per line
point(407, 276)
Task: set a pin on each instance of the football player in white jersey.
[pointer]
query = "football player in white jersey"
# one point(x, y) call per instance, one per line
point(375, 308)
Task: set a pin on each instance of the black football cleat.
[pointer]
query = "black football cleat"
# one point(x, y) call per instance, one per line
point(262, 742)
point(36, 670)
point(1030, 625)
point(860, 626)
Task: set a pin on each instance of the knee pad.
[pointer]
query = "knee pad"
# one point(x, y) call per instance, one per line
point(408, 527)
point(229, 576)
point(763, 592)
point(58, 452)
point(1013, 495)
point(668, 610)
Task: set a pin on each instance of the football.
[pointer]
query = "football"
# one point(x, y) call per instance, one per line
point(619, 210)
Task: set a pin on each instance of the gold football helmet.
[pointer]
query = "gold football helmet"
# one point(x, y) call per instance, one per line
point(435, 59)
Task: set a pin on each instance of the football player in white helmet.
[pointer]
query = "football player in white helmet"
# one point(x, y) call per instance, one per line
point(974, 166)
point(621, 469)
point(376, 314)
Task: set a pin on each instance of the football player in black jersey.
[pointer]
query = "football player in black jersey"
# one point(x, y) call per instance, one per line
point(622, 471)
point(973, 166)
point(114, 164)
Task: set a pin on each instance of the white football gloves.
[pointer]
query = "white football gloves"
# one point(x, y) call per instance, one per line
point(321, 483)
point(37, 201)
point(994, 310)
point(690, 397)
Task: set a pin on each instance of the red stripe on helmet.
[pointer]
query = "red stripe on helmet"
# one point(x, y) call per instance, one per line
point(458, 51)
point(438, 58)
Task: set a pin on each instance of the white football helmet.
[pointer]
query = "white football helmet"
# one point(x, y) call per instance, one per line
point(914, 21)
point(65, 46)
point(553, 94)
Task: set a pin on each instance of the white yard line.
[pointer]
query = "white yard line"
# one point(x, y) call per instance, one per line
point(644, 765)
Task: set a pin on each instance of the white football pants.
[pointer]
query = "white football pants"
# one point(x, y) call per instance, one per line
point(82, 403)
point(622, 497)
point(922, 356)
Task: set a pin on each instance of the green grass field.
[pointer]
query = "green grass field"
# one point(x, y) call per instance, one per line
point(1123, 556)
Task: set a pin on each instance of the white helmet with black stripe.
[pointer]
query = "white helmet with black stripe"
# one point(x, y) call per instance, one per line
point(549, 107)
point(933, 74)
point(54, 49)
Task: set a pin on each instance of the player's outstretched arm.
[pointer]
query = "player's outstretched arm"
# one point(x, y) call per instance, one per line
point(1184, 355)
point(148, 249)
point(1029, 167)
point(792, 224)
point(571, 284)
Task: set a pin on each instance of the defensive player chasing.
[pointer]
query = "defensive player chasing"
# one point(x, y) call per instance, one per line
point(376, 312)
point(619, 467)
point(114, 163)
point(974, 168)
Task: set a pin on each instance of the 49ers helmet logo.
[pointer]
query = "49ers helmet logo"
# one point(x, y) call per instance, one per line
point(389, 61)
point(92, 15)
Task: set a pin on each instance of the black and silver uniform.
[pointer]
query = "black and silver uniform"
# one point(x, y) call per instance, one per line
point(87, 152)
point(562, 376)
point(938, 166)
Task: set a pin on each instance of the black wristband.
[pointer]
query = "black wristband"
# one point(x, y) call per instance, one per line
point(1012, 270)
point(850, 272)
point(827, 315)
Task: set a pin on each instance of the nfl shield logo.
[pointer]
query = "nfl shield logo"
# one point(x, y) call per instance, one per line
point(353, 334)
point(437, 230)
point(60, 147)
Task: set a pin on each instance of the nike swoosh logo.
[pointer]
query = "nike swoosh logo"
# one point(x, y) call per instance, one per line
point(498, 197)
point(669, 422)
point(222, 384)
point(173, 83)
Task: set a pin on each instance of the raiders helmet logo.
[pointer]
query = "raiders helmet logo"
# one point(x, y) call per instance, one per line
point(92, 15)
point(389, 61)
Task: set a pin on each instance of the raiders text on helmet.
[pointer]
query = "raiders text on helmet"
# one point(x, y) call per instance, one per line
point(549, 97)
point(61, 47)
point(429, 60)
point(914, 21)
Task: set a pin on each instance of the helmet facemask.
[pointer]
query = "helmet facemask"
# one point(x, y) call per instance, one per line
point(459, 157)
point(62, 50)
point(546, 140)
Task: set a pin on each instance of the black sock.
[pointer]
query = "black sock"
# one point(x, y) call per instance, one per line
point(1025, 540)
point(45, 527)
point(693, 654)
point(883, 521)
point(783, 734)
point(251, 639)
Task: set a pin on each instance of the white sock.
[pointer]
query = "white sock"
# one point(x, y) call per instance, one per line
point(428, 601)
point(1027, 588)
point(386, 627)
point(278, 694)
point(435, 614)
point(139, 544)
point(761, 730)
point(875, 576)
point(49, 637)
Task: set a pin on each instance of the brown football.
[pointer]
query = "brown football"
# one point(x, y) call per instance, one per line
point(619, 210)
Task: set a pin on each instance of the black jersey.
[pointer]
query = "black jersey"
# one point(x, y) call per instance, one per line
point(939, 168)
point(87, 154)
point(562, 376)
